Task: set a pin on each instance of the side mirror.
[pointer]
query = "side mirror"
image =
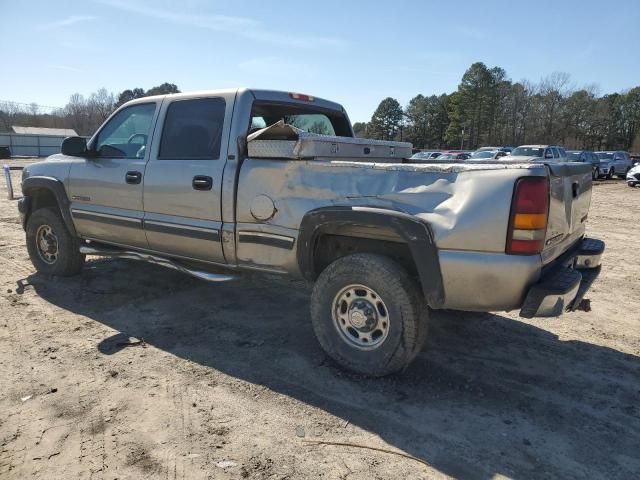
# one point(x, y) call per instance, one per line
point(74, 146)
point(548, 155)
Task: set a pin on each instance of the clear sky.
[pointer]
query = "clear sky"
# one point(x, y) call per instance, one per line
point(354, 52)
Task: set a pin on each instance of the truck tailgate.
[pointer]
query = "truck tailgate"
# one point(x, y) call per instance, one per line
point(570, 198)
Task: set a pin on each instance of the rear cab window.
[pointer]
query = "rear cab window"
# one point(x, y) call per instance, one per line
point(307, 118)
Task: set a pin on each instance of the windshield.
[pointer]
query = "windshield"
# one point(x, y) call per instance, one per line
point(421, 155)
point(483, 154)
point(528, 152)
point(605, 155)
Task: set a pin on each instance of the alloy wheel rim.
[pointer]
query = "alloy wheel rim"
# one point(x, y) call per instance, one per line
point(360, 317)
point(47, 244)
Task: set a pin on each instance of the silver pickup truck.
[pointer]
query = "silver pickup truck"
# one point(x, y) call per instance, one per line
point(217, 182)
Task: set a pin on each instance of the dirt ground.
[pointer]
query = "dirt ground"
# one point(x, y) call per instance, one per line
point(229, 381)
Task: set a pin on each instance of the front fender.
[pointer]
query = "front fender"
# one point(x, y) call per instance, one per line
point(415, 232)
point(31, 186)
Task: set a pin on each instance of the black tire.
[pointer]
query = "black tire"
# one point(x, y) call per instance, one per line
point(611, 173)
point(594, 173)
point(403, 304)
point(68, 260)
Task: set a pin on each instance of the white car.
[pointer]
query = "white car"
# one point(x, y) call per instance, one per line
point(633, 175)
point(425, 155)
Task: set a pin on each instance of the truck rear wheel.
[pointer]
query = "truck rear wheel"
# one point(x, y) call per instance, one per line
point(369, 314)
point(52, 249)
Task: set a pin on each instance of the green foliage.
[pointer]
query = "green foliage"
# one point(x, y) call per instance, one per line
point(492, 110)
point(428, 120)
point(386, 120)
point(164, 89)
point(128, 95)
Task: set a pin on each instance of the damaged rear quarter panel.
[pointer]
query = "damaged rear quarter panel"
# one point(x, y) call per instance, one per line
point(467, 206)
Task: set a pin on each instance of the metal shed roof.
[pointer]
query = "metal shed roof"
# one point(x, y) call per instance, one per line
point(54, 132)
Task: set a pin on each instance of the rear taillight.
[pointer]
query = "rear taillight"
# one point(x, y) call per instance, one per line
point(529, 212)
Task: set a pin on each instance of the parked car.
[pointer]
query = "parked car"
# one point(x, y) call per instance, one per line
point(185, 182)
point(548, 153)
point(633, 175)
point(487, 154)
point(454, 156)
point(619, 162)
point(586, 156)
point(605, 168)
point(426, 155)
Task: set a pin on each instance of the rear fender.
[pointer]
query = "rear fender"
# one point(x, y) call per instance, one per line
point(413, 231)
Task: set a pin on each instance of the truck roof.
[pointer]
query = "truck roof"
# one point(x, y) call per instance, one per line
point(260, 94)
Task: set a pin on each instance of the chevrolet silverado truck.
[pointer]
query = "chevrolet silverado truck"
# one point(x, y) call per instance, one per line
point(217, 182)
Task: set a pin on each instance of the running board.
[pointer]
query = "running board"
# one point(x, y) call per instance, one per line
point(147, 257)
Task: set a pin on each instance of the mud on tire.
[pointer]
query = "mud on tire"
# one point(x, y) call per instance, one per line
point(368, 314)
point(52, 249)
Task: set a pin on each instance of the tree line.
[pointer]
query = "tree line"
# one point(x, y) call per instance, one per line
point(82, 114)
point(490, 109)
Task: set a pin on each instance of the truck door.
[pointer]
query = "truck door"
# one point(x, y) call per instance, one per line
point(183, 180)
point(106, 187)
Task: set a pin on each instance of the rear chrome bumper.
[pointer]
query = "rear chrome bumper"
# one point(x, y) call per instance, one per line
point(564, 283)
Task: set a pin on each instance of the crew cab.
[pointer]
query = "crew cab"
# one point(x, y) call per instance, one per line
point(216, 182)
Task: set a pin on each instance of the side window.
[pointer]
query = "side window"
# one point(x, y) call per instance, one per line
point(555, 152)
point(193, 129)
point(127, 133)
point(562, 152)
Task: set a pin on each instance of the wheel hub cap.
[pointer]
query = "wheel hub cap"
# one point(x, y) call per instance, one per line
point(361, 317)
point(47, 244)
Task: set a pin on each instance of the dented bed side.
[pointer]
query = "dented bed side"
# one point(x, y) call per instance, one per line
point(466, 207)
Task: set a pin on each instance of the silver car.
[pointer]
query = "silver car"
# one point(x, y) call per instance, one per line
point(546, 153)
point(618, 163)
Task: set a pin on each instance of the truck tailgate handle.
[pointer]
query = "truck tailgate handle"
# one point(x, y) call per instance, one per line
point(202, 182)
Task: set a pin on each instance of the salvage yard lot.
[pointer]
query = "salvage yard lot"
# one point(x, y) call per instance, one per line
point(134, 371)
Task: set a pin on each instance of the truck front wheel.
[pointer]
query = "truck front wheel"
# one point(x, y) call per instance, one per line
point(368, 314)
point(52, 249)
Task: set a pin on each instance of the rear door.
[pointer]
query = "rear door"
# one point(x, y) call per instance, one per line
point(182, 200)
point(106, 188)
